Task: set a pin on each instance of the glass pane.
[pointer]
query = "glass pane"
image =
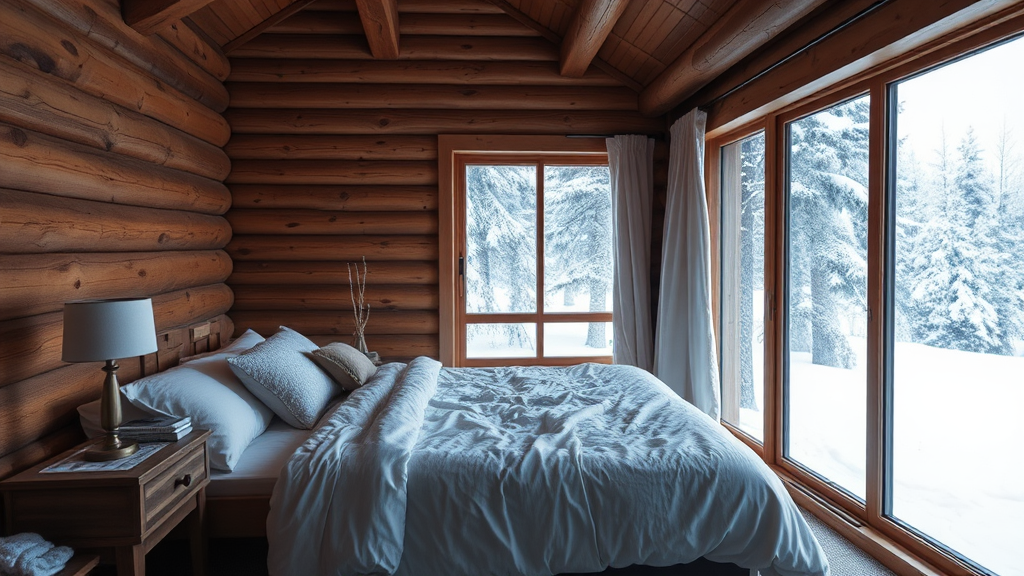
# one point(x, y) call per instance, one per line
point(577, 339)
point(743, 285)
point(958, 351)
point(501, 239)
point(827, 284)
point(501, 340)
point(577, 239)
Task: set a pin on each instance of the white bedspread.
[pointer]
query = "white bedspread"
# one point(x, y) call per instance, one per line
point(531, 471)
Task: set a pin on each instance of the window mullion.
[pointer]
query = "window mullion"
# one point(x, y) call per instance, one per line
point(540, 259)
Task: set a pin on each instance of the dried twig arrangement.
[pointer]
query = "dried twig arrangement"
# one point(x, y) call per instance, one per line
point(358, 304)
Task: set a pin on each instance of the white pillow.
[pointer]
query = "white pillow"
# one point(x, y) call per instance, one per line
point(236, 346)
point(279, 372)
point(206, 390)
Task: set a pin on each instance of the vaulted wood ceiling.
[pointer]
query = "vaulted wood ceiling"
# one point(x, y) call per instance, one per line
point(663, 49)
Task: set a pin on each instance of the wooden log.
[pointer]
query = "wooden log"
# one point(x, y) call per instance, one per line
point(419, 6)
point(100, 21)
point(349, 198)
point(296, 222)
point(335, 297)
point(314, 22)
point(380, 23)
point(332, 248)
point(328, 147)
point(507, 73)
point(745, 27)
point(391, 347)
point(38, 163)
point(440, 121)
point(280, 15)
point(46, 447)
point(490, 25)
point(197, 47)
point(40, 283)
point(430, 96)
point(38, 223)
point(47, 104)
point(302, 273)
point(28, 36)
point(336, 323)
point(590, 26)
point(32, 345)
point(321, 47)
point(148, 16)
point(352, 172)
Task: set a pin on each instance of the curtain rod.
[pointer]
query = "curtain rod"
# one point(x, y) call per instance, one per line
point(842, 25)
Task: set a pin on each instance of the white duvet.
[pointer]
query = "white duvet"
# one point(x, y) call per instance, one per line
point(527, 471)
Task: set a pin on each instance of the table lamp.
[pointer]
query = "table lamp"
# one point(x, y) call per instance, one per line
point(105, 330)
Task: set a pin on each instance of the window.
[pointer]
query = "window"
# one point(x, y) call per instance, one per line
point(890, 225)
point(742, 318)
point(536, 259)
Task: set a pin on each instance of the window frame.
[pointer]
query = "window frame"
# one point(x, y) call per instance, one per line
point(898, 546)
point(453, 151)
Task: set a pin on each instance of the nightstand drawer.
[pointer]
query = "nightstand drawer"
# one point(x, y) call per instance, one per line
point(178, 482)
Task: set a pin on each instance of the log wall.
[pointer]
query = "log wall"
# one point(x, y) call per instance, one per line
point(334, 157)
point(111, 185)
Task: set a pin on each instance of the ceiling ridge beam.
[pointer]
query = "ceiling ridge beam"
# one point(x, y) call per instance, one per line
point(148, 16)
point(380, 23)
point(744, 28)
point(590, 27)
point(557, 40)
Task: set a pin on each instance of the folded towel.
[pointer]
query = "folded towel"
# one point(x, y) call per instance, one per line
point(29, 554)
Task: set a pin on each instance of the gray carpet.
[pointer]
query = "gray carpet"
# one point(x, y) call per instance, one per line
point(844, 558)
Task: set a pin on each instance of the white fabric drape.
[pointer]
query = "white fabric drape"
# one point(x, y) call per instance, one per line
point(685, 357)
point(631, 162)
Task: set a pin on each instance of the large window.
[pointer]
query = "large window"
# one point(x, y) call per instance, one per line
point(536, 259)
point(888, 237)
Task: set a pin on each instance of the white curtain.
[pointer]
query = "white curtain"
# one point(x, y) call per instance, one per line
point(631, 162)
point(685, 357)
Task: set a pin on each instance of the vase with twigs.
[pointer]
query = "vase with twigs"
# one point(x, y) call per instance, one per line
point(360, 309)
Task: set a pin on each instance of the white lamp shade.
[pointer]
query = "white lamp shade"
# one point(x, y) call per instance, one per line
point(100, 330)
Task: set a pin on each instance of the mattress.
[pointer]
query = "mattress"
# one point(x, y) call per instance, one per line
point(258, 468)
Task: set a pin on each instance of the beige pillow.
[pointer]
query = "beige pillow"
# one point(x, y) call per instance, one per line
point(349, 367)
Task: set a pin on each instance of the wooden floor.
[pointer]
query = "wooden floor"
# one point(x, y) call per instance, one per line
point(248, 557)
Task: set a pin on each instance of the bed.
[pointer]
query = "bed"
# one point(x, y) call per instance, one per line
point(430, 470)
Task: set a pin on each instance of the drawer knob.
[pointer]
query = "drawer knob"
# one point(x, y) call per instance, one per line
point(185, 481)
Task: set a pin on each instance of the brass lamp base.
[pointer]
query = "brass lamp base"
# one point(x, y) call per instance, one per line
point(112, 448)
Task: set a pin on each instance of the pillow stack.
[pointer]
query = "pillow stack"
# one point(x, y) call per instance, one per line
point(235, 392)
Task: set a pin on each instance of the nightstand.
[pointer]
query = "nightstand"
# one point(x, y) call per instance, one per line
point(128, 511)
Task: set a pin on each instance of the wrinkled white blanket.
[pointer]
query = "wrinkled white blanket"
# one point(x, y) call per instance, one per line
point(530, 471)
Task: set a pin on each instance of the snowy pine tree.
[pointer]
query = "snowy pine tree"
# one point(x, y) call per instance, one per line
point(751, 258)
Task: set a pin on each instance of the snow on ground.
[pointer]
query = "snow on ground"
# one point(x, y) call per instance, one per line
point(958, 460)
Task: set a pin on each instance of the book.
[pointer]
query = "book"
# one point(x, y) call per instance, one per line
point(172, 436)
point(156, 424)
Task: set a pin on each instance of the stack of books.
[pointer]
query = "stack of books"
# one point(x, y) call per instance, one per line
point(156, 429)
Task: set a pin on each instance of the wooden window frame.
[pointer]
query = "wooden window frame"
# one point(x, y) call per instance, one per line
point(900, 549)
point(453, 152)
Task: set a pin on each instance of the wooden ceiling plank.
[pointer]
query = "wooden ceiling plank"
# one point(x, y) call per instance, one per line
point(148, 16)
point(259, 28)
point(590, 27)
point(748, 25)
point(380, 23)
point(551, 36)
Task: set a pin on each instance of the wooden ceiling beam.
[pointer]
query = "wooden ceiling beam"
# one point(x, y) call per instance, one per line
point(380, 23)
point(590, 26)
point(148, 16)
point(747, 26)
point(271, 21)
point(552, 37)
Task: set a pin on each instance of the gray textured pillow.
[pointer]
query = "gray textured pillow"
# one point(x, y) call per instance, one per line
point(348, 366)
point(280, 373)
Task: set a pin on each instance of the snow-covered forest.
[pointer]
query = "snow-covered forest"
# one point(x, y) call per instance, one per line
point(501, 259)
